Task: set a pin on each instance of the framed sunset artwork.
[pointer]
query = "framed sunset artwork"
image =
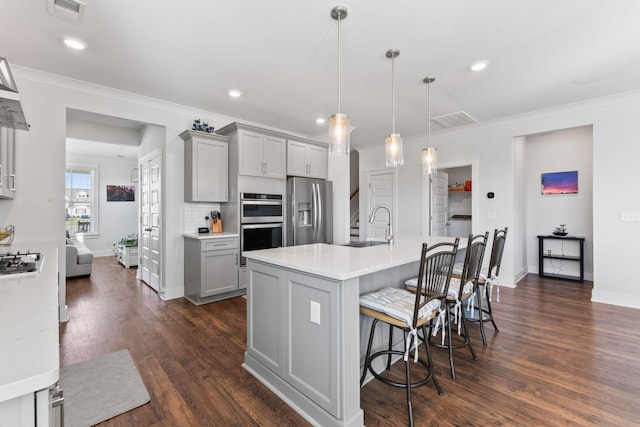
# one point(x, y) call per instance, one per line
point(559, 182)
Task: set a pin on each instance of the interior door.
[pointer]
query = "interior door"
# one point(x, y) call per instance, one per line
point(380, 193)
point(150, 248)
point(154, 191)
point(145, 223)
point(439, 203)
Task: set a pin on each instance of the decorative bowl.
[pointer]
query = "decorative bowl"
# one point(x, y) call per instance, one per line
point(560, 233)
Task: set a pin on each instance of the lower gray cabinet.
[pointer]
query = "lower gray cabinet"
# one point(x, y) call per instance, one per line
point(292, 330)
point(211, 269)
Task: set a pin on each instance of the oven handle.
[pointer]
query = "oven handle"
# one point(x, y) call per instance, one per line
point(269, 225)
point(262, 202)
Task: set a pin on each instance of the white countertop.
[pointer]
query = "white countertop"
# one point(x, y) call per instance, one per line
point(206, 236)
point(344, 262)
point(29, 348)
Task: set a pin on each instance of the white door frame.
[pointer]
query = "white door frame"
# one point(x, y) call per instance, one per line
point(475, 194)
point(364, 216)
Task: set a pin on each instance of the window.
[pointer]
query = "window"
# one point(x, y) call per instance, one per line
point(81, 199)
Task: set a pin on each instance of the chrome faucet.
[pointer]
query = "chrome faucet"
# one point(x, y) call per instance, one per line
point(389, 232)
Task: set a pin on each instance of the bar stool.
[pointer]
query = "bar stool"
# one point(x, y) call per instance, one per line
point(411, 311)
point(487, 280)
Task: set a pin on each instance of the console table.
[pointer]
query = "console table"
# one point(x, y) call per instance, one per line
point(555, 254)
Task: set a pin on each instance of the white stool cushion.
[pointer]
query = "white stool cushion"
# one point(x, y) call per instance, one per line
point(397, 303)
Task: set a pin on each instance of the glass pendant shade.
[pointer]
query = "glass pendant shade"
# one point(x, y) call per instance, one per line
point(429, 160)
point(429, 154)
point(339, 135)
point(393, 149)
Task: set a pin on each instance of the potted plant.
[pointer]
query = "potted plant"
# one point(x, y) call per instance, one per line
point(130, 240)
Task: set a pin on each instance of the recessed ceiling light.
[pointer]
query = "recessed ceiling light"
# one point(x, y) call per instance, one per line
point(75, 43)
point(479, 65)
point(320, 120)
point(234, 93)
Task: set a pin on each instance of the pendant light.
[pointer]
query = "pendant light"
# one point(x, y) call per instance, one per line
point(393, 141)
point(429, 154)
point(339, 123)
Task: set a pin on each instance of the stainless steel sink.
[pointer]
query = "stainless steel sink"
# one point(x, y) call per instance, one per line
point(366, 244)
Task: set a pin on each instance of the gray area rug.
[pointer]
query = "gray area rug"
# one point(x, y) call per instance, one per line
point(102, 388)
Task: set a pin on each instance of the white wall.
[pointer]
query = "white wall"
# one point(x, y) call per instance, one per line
point(91, 131)
point(38, 210)
point(115, 219)
point(616, 130)
point(563, 150)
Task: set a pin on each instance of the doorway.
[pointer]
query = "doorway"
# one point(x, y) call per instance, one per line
point(112, 146)
point(381, 186)
point(448, 202)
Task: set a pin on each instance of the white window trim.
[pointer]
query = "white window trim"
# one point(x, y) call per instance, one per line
point(95, 184)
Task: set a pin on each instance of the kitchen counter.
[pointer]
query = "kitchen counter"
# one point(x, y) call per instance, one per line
point(303, 320)
point(29, 358)
point(206, 236)
point(344, 262)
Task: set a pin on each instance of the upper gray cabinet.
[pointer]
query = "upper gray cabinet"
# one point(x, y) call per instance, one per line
point(258, 152)
point(206, 167)
point(7, 163)
point(305, 159)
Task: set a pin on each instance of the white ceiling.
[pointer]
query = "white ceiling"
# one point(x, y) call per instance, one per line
point(282, 55)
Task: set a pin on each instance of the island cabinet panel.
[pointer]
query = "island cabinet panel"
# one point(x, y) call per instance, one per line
point(312, 345)
point(265, 317)
point(295, 345)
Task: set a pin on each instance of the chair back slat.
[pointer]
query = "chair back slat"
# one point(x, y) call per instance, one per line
point(499, 239)
point(474, 256)
point(436, 266)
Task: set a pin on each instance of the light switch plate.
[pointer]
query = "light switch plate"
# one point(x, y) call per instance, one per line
point(314, 312)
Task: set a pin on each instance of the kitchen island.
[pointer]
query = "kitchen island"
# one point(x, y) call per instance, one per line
point(304, 323)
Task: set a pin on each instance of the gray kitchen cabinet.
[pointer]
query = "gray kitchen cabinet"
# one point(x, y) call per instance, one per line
point(211, 269)
point(307, 160)
point(206, 167)
point(7, 163)
point(301, 351)
point(261, 155)
point(258, 152)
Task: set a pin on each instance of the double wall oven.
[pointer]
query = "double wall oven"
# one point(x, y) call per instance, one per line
point(261, 222)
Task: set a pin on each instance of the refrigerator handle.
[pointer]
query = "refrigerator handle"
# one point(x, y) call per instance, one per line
point(314, 200)
point(320, 208)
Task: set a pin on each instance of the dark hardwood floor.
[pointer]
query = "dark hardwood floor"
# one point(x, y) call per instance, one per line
point(558, 360)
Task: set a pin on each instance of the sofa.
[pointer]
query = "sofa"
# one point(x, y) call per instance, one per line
point(79, 258)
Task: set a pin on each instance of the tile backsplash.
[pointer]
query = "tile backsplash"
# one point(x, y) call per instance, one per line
point(194, 214)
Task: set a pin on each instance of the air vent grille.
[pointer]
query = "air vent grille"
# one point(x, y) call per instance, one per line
point(459, 118)
point(71, 10)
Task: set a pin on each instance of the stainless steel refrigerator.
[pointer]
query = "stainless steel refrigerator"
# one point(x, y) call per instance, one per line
point(309, 211)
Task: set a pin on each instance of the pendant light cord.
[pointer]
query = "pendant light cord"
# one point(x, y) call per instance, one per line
point(429, 112)
point(393, 99)
point(339, 16)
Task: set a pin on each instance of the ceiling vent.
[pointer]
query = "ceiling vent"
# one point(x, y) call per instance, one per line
point(458, 118)
point(70, 10)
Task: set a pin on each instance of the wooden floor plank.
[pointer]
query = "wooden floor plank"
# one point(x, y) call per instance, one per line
point(558, 359)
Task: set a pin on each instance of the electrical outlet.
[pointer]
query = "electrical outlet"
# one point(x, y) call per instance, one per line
point(314, 312)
